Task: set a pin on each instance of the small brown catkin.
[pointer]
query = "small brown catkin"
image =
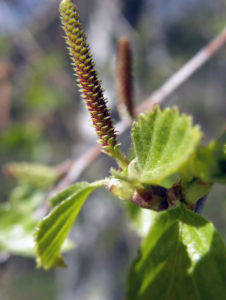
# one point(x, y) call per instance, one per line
point(124, 78)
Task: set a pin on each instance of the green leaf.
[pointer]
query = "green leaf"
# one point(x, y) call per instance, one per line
point(164, 141)
point(194, 190)
point(16, 232)
point(18, 221)
point(210, 161)
point(75, 188)
point(140, 218)
point(26, 198)
point(25, 141)
point(54, 228)
point(17, 228)
point(37, 175)
point(183, 257)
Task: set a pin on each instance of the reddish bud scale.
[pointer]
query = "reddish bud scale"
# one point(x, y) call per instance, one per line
point(87, 79)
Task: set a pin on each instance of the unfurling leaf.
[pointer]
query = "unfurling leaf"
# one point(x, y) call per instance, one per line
point(54, 228)
point(210, 161)
point(182, 257)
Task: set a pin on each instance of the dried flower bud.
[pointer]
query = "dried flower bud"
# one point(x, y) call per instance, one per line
point(87, 79)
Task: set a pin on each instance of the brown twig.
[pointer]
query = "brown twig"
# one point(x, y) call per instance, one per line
point(63, 168)
point(77, 167)
point(167, 89)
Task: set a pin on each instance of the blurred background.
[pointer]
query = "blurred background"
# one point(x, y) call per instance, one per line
point(42, 119)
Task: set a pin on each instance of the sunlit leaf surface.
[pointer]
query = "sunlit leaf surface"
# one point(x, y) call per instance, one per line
point(18, 222)
point(164, 141)
point(182, 257)
point(53, 229)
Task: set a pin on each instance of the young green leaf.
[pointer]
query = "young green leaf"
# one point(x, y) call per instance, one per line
point(74, 188)
point(183, 257)
point(194, 190)
point(36, 175)
point(164, 141)
point(16, 232)
point(54, 228)
point(210, 161)
point(18, 221)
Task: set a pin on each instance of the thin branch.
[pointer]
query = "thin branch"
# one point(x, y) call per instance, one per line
point(167, 89)
point(192, 66)
point(77, 167)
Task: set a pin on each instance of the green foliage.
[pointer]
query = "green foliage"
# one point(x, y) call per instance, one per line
point(194, 190)
point(45, 89)
point(16, 232)
point(54, 228)
point(164, 141)
point(36, 175)
point(182, 257)
point(25, 198)
point(18, 221)
point(139, 218)
point(210, 161)
point(165, 145)
point(207, 165)
point(24, 141)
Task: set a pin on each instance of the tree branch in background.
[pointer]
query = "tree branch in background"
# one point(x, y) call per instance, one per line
point(76, 169)
point(192, 66)
point(167, 89)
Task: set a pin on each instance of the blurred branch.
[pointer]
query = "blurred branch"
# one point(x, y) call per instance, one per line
point(167, 89)
point(63, 168)
point(76, 169)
